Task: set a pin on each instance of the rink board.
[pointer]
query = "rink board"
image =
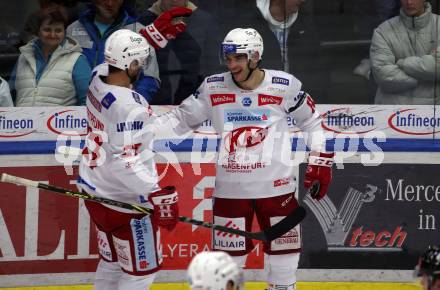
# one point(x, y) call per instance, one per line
point(386, 209)
point(260, 286)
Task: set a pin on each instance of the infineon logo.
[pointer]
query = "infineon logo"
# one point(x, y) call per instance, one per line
point(67, 122)
point(413, 122)
point(343, 121)
point(13, 127)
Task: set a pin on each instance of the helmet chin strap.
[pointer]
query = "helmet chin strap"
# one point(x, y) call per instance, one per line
point(251, 70)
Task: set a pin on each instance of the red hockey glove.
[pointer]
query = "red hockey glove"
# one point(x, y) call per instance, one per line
point(318, 174)
point(163, 29)
point(166, 208)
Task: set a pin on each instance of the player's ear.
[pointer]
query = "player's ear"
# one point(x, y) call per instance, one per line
point(133, 69)
point(254, 58)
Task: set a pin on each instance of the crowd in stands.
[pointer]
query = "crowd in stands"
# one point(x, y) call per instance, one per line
point(358, 52)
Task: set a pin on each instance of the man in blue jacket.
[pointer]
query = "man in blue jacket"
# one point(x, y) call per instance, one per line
point(103, 18)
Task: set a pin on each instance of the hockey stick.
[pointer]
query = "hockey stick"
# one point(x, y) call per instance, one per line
point(267, 235)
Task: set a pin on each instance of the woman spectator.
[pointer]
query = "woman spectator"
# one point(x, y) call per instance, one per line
point(5, 95)
point(50, 71)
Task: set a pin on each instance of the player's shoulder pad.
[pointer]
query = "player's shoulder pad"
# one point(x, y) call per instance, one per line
point(129, 112)
point(101, 69)
point(282, 78)
point(137, 97)
point(217, 78)
point(299, 100)
point(213, 83)
point(108, 100)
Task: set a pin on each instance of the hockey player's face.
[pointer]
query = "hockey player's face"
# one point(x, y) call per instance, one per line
point(238, 66)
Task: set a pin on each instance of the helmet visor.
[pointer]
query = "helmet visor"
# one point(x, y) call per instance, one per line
point(225, 49)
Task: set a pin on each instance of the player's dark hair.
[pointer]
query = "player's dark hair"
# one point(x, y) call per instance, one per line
point(113, 69)
point(54, 13)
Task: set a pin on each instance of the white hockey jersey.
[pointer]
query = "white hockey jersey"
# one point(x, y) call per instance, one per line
point(117, 161)
point(254, 158)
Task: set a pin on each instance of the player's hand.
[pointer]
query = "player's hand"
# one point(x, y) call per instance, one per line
point(163, 28)
point(318, 174)
point(166, 208)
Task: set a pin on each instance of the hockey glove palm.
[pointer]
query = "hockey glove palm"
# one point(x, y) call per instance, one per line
point(318, 174)
point(166, 208)
point(162, 29)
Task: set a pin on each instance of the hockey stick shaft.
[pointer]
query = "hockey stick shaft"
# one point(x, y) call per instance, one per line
point(269, 234)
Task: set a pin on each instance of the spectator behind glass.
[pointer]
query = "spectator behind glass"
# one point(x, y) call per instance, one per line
point(403, 55)
point(280, 16)
point(194, 49)
point(50, 71)
point(30, 27)
point(5, 94)
point(291, 40)
point(95, 25)
point(368, 15)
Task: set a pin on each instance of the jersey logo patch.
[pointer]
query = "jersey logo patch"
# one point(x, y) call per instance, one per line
point(143, 239)
point(215, 79)
point(136, 97)
point(95, 103)
point(247, 116)
point(129, 126)
point(246, 101)
point(230, 242)
point(123, 250)
point(220, 99)
point(196, 94)
point(278, 80)
point(108, 100)
point(269, 100)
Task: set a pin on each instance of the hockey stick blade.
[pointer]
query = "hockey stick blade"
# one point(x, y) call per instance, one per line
point(269, 234)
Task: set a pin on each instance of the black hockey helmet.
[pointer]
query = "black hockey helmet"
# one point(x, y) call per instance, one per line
point(429, 264)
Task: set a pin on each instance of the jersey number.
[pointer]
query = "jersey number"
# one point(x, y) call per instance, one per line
point(93, 153)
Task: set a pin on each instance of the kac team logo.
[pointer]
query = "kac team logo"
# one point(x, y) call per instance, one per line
point(244, 137)
point(13, 126)
point(344, 121)
point(67, 123)
point(414, 122)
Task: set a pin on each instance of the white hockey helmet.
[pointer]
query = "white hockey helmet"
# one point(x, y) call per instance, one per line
point(125, 46)
point(242, 40)
point(213, 271)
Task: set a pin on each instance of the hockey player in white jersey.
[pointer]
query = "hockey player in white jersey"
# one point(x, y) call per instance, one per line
point(214, 271)
point(248, 107)
point(118, 164)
